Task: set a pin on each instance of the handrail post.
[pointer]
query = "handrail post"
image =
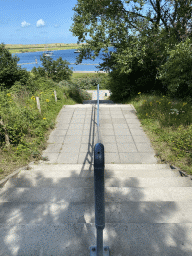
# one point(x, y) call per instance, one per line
point(99, 195)
point(99, 187)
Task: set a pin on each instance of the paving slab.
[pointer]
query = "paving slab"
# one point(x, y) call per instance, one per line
point(119, 126)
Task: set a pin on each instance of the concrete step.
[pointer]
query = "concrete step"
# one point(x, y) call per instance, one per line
point(56, 171)
point(108, 173)
point(135, 239)
point(100, 102)
point(34, 179)
point(112, 194)
point(112, 167)
point(13, 213)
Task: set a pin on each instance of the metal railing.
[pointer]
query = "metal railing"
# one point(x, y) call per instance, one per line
point(99, 165)
point(98, 131)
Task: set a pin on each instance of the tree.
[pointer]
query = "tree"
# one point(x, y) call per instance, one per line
point(57, 70)
point(10, 72)
point(108, 22)
point(136, 57)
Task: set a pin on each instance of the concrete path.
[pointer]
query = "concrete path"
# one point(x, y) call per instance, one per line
point(73, 139)
point(48, 209)
point(102, 95)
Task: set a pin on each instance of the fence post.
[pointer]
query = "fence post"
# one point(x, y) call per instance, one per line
point(38, 104)
point(6, 134)
point(55, 96)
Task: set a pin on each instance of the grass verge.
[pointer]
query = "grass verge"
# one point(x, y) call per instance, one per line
point(28, 129)
point(168, 124)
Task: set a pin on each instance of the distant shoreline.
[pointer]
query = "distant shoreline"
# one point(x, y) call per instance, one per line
point(44, 50)
point(19, 48)
point(89, 72)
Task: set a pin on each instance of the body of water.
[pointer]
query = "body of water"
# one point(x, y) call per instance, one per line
point(69, 55)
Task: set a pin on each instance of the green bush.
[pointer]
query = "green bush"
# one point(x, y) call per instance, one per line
point(10, 72)
point(57, 70)
point(38, 72)
point(134, 67)
point(18, 109)
point(74, 90)
point(176, 73)
point(88, 83)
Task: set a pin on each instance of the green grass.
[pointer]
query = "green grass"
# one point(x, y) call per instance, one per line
point(85, 75)
point(168, 124)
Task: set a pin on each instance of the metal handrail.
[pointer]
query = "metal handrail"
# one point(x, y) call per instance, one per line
point(98, 137)
point(99, 165)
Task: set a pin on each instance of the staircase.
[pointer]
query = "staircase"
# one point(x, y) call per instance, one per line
point(49, 210)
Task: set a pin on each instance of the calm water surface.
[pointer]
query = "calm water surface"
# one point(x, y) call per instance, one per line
point(69, 55)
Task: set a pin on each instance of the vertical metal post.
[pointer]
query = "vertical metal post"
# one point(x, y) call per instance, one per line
point(99, 163)
point(99, 195)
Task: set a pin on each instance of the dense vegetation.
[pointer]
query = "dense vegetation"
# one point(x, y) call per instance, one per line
point(155, 57)
point(154, 62)
point(23, 129)
point(151, 68)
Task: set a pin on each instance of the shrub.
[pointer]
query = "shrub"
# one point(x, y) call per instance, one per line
point(74, 90)
point(38, 72)
point(177, 72)
point(57, 70)
point(9, 70)
point(134, 67)
point(88, 83)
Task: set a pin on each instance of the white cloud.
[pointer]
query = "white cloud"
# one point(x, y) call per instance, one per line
point(40, 23)
point(25, 24)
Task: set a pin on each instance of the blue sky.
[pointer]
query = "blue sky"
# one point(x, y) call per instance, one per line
point(36, 21)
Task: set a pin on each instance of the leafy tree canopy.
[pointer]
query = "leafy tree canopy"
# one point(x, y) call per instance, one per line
point(102, 23)
point(177, 72)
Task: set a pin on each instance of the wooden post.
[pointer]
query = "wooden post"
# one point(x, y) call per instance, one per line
point(6, 134)
point(38, 104)
point(55, 96)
